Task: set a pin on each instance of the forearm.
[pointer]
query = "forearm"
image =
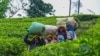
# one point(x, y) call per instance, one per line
point(26, 39)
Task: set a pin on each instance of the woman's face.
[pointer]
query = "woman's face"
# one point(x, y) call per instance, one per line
point(49, 39)
point(61, 30)
point(36, 40)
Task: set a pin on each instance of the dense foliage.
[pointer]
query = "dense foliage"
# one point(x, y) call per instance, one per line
point(17, 27)
point(86, 17)
point(3, 7)
point(39, 9)
point(11, 46)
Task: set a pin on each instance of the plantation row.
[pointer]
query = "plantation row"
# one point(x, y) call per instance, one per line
point(18, 27)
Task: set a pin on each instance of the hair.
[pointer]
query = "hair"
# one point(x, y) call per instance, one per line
point(49, 36)
point(63, 29)
point(36, 36)
point(52, 38)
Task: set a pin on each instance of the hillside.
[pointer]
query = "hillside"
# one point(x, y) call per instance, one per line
point(17, 27)
point(86, 45)
point(12, 32)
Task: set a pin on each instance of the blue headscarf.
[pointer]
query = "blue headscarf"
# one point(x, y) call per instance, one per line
point(69, 28)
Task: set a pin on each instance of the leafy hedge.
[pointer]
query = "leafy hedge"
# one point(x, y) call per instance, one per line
point(73, 48)
point(17, 27)
point(11, 47)
point(86, 17)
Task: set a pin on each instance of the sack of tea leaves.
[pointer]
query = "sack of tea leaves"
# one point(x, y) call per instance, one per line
point(61, 22)
point(36, 28)
point(50, 29)
point(71, 21)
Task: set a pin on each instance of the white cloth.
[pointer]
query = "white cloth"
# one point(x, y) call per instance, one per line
point(71, 21)
point(70, 35)
point(50, 29)
point(60, 38)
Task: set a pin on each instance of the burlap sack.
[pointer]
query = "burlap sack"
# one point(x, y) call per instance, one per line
point(61, 22)
point(50, 29)
point(64, 21)
point(71, 21)
point(36, 28)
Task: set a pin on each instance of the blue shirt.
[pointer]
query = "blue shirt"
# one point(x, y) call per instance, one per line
point(70, 28)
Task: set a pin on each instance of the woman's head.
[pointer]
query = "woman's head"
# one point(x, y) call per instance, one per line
point(61, 29)
point(36, 38)
point(49, 38)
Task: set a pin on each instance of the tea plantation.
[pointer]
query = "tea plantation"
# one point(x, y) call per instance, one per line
point(12, 32)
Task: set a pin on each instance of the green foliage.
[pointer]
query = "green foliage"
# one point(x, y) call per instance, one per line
point(3, 7)
point(18, 27)
point(86, 17)
point(11, 46)
point(39, 9)
point(73, 48)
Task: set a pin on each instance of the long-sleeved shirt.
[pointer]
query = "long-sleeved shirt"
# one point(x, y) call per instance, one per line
point(63, 34)
point(69, 28)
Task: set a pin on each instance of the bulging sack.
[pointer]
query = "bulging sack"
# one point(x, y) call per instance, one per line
point(61, 22)
point(71, 21)
point(36, 28)
point(50, 29)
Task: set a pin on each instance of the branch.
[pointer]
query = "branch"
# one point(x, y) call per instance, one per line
point(14, 13)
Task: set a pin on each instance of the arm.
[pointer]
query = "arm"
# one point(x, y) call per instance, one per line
point(68, 35)
point(26, 39)
point(43, 42)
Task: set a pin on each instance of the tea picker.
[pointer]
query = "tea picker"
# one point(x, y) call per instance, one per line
point(36, 30)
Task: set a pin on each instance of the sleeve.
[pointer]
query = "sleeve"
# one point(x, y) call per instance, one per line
point(43, 42)
point(68, 35)
point(26, 39)
point(65, 36)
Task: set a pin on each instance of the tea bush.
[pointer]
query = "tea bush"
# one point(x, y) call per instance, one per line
point(86, 17)
point(11, 46)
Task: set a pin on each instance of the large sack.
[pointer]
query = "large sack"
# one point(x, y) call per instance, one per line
point(50, 29)
point(61, 22)
point(71, 21)
point(36, 28)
